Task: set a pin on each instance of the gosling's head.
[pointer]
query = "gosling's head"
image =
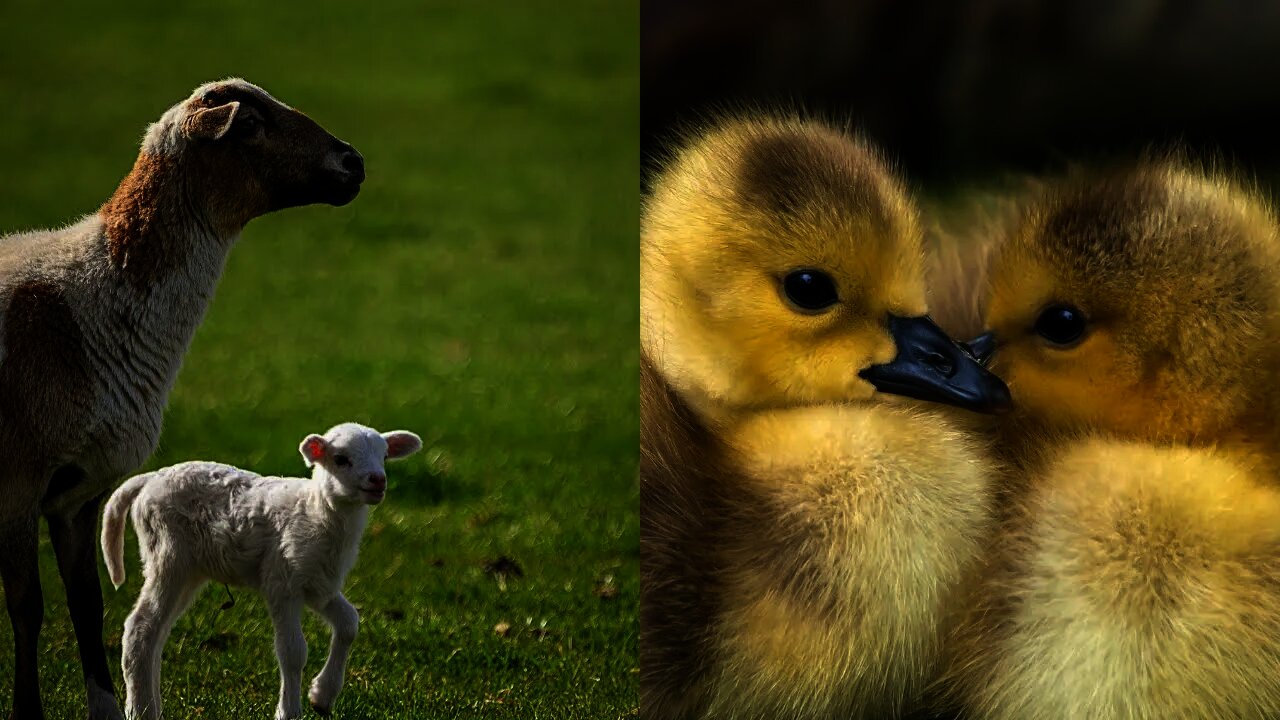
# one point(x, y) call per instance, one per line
point(782, 265)
point(1142, 302)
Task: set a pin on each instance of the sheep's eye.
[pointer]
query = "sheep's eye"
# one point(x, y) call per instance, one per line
point(341, 460)
point(249, 125)
point(810, 290)
point(1061, 325)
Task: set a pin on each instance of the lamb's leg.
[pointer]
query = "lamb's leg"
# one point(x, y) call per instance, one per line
point(164, 596)
point(291, 653)
point(19, 570)
point(75, 542)
point(343, 618)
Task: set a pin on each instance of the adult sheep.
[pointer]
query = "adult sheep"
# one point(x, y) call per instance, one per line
point(95, 319)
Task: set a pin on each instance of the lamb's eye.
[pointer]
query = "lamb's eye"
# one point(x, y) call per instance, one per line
point(341, 460)
point(1061, 325)
point(810, 290)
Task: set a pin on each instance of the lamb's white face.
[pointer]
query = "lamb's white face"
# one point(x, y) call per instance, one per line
point(355, 455)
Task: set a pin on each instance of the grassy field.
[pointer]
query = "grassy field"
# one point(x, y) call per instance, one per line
point(482, 291)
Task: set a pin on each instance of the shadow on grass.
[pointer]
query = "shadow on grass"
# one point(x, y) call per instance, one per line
point(425, 487)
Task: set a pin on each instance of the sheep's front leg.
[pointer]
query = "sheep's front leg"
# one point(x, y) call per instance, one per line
point(20, 571)
point(343, 618)
point(75, 544)
point(291, 653)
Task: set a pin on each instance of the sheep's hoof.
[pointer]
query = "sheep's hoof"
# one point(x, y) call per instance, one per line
point(102, 703)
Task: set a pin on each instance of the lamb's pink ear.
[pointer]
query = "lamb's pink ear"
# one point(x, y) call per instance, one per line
point(313, 448)
point(401, 443)
point(210, 123)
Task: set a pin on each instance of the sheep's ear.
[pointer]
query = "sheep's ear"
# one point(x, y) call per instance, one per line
point(313, 448)
point(401, 443)
point(210, 123)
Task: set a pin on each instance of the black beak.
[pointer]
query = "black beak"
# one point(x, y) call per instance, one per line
point(982, 348)
point(931, 366)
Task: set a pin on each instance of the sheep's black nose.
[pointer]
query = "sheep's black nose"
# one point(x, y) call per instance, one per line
point(353, 163)
point(378, 480)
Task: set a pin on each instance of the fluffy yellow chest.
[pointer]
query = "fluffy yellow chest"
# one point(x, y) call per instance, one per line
point(862, 522)
point(1138, 581)
point(903, 452)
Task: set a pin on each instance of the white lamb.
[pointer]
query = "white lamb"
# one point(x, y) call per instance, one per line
point(292, 539)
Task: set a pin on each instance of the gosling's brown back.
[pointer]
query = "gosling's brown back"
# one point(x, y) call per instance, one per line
point(678, 509)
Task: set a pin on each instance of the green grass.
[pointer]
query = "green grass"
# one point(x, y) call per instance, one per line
point(481, 291)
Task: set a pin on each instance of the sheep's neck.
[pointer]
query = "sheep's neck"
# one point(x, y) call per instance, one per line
point(158, 222)
point(163, 257)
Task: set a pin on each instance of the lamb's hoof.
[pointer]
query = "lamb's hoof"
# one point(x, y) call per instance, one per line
point(315, 695)
point(313, 698)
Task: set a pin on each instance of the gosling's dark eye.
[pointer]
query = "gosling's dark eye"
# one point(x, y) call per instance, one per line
point(1061, 325)
point(341, 460)
point(810, 290)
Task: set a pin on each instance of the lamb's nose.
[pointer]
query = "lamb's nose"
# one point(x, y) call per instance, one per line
point(378, 480)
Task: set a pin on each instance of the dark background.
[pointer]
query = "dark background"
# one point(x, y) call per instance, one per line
point(960, 90)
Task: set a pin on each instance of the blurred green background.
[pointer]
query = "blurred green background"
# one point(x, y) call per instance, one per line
point(481, 291)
